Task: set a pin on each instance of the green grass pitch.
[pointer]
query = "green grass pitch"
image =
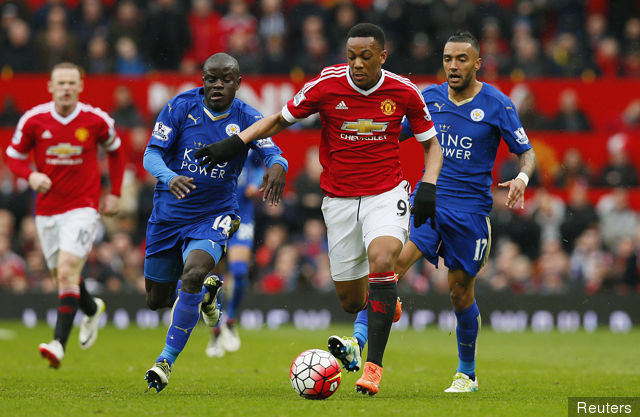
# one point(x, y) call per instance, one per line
point(520, 374)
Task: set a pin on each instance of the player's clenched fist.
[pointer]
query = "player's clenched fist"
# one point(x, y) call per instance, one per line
point(424, 205)
point(219, 152)
point(39, 182)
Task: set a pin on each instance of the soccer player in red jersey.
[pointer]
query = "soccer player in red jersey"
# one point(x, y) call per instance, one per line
point(64, 135)
point(366, 207)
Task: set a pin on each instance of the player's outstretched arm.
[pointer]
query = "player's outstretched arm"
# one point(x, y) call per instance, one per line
point(263, 128)
point(519, 184)
point(273, 184)
point(227, 149)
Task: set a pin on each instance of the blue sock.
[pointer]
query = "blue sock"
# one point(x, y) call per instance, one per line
point(361, 328)
point(240, 271)
point(184, 317)
point(467, 333)
point(175, 293)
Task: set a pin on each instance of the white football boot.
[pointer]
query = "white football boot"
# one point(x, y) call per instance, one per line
point(347, 350)
point(53, 352)
point(210, 307)
point(214, 347)
point(89, 327)
point(158, 376)
point(462, 383)
point(230, 337)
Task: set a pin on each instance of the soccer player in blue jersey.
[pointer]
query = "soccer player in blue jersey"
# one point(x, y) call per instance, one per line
point(225, 335)
point(195, 211)
point(471, 117)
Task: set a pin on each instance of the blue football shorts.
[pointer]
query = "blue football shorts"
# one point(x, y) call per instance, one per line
point(169, 244)
point(462, 239)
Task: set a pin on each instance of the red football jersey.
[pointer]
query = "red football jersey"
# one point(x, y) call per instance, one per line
point(359, 147)
point(65, 148)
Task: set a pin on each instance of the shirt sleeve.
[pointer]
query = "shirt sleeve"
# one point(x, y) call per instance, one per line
point(155, 165)
point(419, 117)
point(305, 102)
point(168, 125)
point(266, 148)
point(276, 159)
point(108, 136)
point(511, 128)
point(18, 150)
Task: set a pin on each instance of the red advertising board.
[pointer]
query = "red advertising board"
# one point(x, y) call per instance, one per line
point(602, 100)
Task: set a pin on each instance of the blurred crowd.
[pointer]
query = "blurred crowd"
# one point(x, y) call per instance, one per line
point(563, 241)
point(518, 38)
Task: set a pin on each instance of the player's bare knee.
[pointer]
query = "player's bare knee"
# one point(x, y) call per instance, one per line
point(382, 262)
point(66, 279)
point(352, 306)
point(455, 299)
point(193, 278)
point(461, 299)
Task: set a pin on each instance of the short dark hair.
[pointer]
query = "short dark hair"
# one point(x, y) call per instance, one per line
point(465, 37)
point(367, 30)
point(67, 65)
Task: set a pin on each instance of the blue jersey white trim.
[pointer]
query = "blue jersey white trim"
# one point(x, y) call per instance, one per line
point(185, 125)
point(469, 134)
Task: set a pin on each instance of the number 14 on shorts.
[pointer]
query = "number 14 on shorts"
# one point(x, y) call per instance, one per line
point(226, 224)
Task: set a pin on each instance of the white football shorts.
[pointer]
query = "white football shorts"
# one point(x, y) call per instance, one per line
point(72, 231)
point(353, 223)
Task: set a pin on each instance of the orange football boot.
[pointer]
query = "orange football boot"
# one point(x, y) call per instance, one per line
point(369, 382)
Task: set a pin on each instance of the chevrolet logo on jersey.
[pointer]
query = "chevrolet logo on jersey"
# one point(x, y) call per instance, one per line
point(365, 126)
point(64, 150)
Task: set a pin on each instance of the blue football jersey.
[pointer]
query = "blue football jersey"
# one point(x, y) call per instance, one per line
point(251, 174)
point(469, 134)
point(185, 125)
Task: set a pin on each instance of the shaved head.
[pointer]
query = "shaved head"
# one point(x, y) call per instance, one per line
point(220, 80)
point(220, 61)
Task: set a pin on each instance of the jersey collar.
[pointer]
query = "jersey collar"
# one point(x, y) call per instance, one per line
point(65, 120)
point(465, 101)
point(360, 90)
point(214, 116)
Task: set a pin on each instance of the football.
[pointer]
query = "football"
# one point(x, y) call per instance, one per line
point(315, 374)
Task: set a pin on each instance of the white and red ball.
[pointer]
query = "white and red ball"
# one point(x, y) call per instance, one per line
point(315, 374)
